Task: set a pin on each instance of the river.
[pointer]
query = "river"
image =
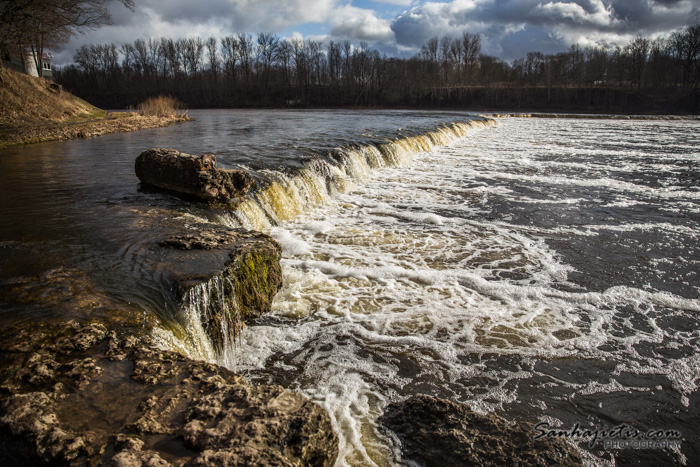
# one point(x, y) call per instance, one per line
point(544, 269)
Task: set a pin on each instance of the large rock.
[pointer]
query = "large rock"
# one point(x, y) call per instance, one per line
point(191, 175)
point(83, 395)
point(226, 275)
point(438, 432)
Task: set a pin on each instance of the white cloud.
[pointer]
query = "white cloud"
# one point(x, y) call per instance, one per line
point(569, 12)
point(361, 25)
point(566, 21)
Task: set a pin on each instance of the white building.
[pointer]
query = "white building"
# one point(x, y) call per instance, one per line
point(27, 64)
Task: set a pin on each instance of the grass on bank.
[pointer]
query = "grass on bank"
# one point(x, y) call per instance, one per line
point(161, 106)
point(26, 100)
point(35, 110)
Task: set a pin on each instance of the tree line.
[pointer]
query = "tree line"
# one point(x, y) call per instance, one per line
point(257, 71)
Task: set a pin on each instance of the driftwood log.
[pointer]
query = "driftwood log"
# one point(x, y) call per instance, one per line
point(191, 175)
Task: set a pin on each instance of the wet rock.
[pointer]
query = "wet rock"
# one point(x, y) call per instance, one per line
point(32, 417)
point(438, 432)
point(192, 175)
point(39, 369)
point(231, 422)
point(152, 407)
point(228, 275)
point(86, 337)
point(132, 454)
point(208, 239)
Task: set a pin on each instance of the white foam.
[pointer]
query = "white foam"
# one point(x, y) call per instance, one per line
point(318, 227)
point(291, 246)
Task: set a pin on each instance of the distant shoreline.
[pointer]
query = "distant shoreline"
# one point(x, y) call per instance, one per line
point(122, 122)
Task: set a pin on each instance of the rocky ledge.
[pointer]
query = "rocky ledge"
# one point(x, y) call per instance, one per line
point(190, 175)
point(83, 395)
point(438, 432)
point(226, 275)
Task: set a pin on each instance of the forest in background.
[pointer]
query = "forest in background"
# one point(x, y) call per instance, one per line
point(646, 76)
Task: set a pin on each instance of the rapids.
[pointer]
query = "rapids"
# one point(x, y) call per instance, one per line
point(546, 270)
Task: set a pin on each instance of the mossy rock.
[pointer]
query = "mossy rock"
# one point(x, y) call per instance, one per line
point(229, 275)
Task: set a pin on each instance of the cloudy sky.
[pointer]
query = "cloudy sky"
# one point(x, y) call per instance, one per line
point(509, 28)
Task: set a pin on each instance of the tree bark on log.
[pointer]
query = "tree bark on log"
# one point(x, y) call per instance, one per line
point(191, 175)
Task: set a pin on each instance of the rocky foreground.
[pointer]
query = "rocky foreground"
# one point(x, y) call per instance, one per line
point(87, 396)
point(100, 392)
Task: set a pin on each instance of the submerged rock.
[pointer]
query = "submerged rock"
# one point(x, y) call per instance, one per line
point(191, 175)
point(86, 396)
point(438, 432)
point(70, 293)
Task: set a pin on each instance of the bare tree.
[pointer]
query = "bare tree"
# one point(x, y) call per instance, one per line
point(686, 46)
point(315, 57)
point(267, 54)
point(284, 54)
point(155, 57)
point(637, 51)
point(429, 51)
point(142, 58)
point(230, 52)
point(213, 57)
point(37, 24)
point(128, 59)
point(457, 56)
point(445, 57)
point(597, 63)
point(301, 65)
point(246, 51)
point(172, 57)
point(334, 62)
point(346, 49)
point(471, 45)
point(192, 53)
point(660, 62)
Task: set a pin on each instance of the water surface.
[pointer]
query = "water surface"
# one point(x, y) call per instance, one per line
point(543, 269)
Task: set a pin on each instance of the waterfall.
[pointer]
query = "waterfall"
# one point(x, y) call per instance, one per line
point(284, 197)
point(287, 195)
point(213, 320)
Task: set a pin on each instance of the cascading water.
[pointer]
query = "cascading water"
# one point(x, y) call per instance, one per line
point(284, 197)
point(288, 195)
point(510, 271)
point(203, 305)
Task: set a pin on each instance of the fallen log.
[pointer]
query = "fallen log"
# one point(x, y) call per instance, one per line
point(192, 175)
